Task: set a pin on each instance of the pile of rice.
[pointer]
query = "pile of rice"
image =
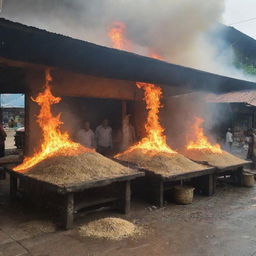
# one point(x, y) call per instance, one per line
point(161, 163)
point(220, 160)
point(111, 229)
point(89, 166)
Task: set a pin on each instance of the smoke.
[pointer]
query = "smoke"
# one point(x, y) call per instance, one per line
point(175, 29)
point(184, 109)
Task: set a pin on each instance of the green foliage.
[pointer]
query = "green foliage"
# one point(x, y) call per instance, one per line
point(248, 68)
point(244, 64)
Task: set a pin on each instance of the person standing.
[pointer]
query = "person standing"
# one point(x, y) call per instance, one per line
point(103, 136)
point(128, 134)
point(229, 139)
point(250, 141)
point(3, 136)
point(85, 136)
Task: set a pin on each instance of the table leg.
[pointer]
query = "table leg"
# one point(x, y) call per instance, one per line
point(207, 184)
point(126, 197)
point(238, 176)
point(157, 193)
point(68, 214)
point(13, 187)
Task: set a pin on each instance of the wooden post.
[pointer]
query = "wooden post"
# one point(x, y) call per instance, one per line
point(13, 186)
point(68, 213)
point(207, 184)
point(239, 176)
point(156, 192)
point(126, 197)
point(124, 109)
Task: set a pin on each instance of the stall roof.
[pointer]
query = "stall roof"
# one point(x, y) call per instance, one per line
point(245, 44)
point(248, 97)
point(35, 46)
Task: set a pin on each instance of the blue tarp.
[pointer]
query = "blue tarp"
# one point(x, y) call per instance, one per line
point(12, 100)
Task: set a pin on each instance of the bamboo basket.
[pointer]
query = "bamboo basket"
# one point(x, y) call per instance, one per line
point(248, 179)
point(183, 195)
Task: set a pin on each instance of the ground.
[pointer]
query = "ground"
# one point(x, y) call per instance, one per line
point(223, 224)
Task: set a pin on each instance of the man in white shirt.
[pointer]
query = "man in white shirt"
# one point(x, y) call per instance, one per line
point(86, 136)
point(229, 139)
point(103, 135)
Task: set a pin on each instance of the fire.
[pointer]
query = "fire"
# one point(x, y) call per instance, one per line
point(201, 141)
point(155, 139)
point(54, 141)
point(155, 55)
point(117, 36)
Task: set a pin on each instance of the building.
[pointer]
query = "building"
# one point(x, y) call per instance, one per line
point(94, 82)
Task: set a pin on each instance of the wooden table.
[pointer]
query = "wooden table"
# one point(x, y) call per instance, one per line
point(234, 171)
point(71, 199)
point(153, 185)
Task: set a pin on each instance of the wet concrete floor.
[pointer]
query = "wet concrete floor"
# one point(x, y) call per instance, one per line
point(224, 224)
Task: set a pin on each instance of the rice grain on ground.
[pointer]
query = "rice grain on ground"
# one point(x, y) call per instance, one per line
point(111, 229)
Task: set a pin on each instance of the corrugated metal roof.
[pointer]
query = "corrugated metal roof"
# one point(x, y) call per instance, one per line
point(35, 46)
point(248, 97)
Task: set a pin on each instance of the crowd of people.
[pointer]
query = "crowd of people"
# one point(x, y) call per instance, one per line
point(102, 140)
point(250, 141)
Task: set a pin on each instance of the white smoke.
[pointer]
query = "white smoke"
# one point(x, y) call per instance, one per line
point(175, 29)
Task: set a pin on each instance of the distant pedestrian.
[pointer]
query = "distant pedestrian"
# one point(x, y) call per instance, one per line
point(229, 139)
point(3, 136)
point(251, 141)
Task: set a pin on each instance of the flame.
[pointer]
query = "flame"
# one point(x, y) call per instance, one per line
point(117, 36)
point(201, 141)
point(54, 141)
point(155, 139)
point(155, 55)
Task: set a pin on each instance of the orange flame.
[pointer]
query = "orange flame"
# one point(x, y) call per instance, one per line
point(117, 35)
point(155, 139)
point(155, 55)
point(201, 141)
point(54, 141)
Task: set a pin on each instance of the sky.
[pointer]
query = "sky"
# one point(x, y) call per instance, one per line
point(240, 10)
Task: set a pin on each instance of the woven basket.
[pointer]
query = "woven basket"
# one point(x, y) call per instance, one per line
point(183, 195)
point(248, 179)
